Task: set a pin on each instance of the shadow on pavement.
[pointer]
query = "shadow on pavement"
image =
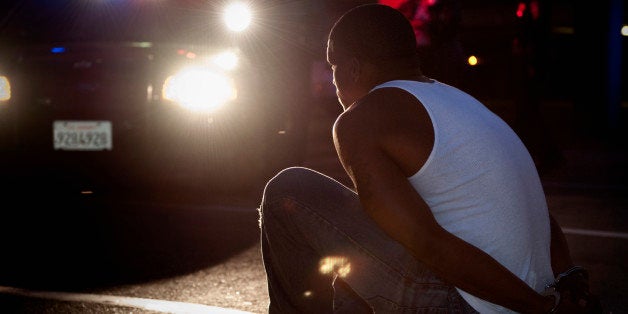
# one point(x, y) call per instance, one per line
point(87, 242)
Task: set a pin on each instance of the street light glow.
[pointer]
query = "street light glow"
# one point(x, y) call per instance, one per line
point(473, 60)
point(238, 16)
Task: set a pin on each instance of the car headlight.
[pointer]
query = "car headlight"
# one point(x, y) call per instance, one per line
point(227, 60)
point(200, 89)
point(238, 16)
point(5, 88)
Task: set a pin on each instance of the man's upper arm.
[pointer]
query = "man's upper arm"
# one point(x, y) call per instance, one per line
point(380, 182)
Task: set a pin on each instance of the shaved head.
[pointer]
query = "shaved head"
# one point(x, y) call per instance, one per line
point(374, 33)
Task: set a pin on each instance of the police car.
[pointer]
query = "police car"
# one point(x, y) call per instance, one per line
point(168, 97)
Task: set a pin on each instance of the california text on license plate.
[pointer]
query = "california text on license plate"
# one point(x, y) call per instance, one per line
point(82, 135)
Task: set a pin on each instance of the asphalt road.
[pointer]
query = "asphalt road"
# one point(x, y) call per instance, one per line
point(150, 258)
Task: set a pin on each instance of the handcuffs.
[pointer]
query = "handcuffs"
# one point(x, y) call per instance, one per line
point(553, 288)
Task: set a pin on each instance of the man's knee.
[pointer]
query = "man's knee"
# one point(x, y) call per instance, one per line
point(287, 182)
point(281, 189)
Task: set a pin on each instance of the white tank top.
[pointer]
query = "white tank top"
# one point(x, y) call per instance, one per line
point(482, 185)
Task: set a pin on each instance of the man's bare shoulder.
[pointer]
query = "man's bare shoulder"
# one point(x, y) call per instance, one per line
point(385, 110)
point(391, 120)
point(384, 101)
point(379, 106)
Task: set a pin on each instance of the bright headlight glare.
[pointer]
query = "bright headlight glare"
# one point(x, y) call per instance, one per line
point(238, 16)
point(227, 60)
point(5, 88)
point(199, 89)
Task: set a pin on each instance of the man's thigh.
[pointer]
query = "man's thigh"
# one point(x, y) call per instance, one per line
point(350, 246)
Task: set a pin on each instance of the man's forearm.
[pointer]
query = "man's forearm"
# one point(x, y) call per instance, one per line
point(463, 265)
point(477, 273)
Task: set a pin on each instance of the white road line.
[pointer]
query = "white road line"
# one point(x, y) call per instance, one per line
point(195, 308)
point(596, 233)
point(141, 303)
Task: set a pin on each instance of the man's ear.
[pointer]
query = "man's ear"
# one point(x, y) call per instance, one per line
point(356, 69)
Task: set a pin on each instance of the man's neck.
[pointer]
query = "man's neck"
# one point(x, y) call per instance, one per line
point(415, 76)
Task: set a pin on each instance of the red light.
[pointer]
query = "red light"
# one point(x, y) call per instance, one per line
point(392, 3)
point(534, 9)
point(521, 9)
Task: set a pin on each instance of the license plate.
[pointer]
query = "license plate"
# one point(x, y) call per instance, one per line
point(82, 135)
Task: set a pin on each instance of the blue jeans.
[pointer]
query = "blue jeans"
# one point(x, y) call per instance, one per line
point(323, 254)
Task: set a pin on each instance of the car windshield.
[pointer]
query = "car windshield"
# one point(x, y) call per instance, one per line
point(175, 21)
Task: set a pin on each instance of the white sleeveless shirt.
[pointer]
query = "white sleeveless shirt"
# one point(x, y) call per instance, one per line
point(482, 185)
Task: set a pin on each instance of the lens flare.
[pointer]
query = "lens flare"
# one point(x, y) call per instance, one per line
point(335, 264)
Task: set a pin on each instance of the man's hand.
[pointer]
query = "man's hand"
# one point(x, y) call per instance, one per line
point(575, 297)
